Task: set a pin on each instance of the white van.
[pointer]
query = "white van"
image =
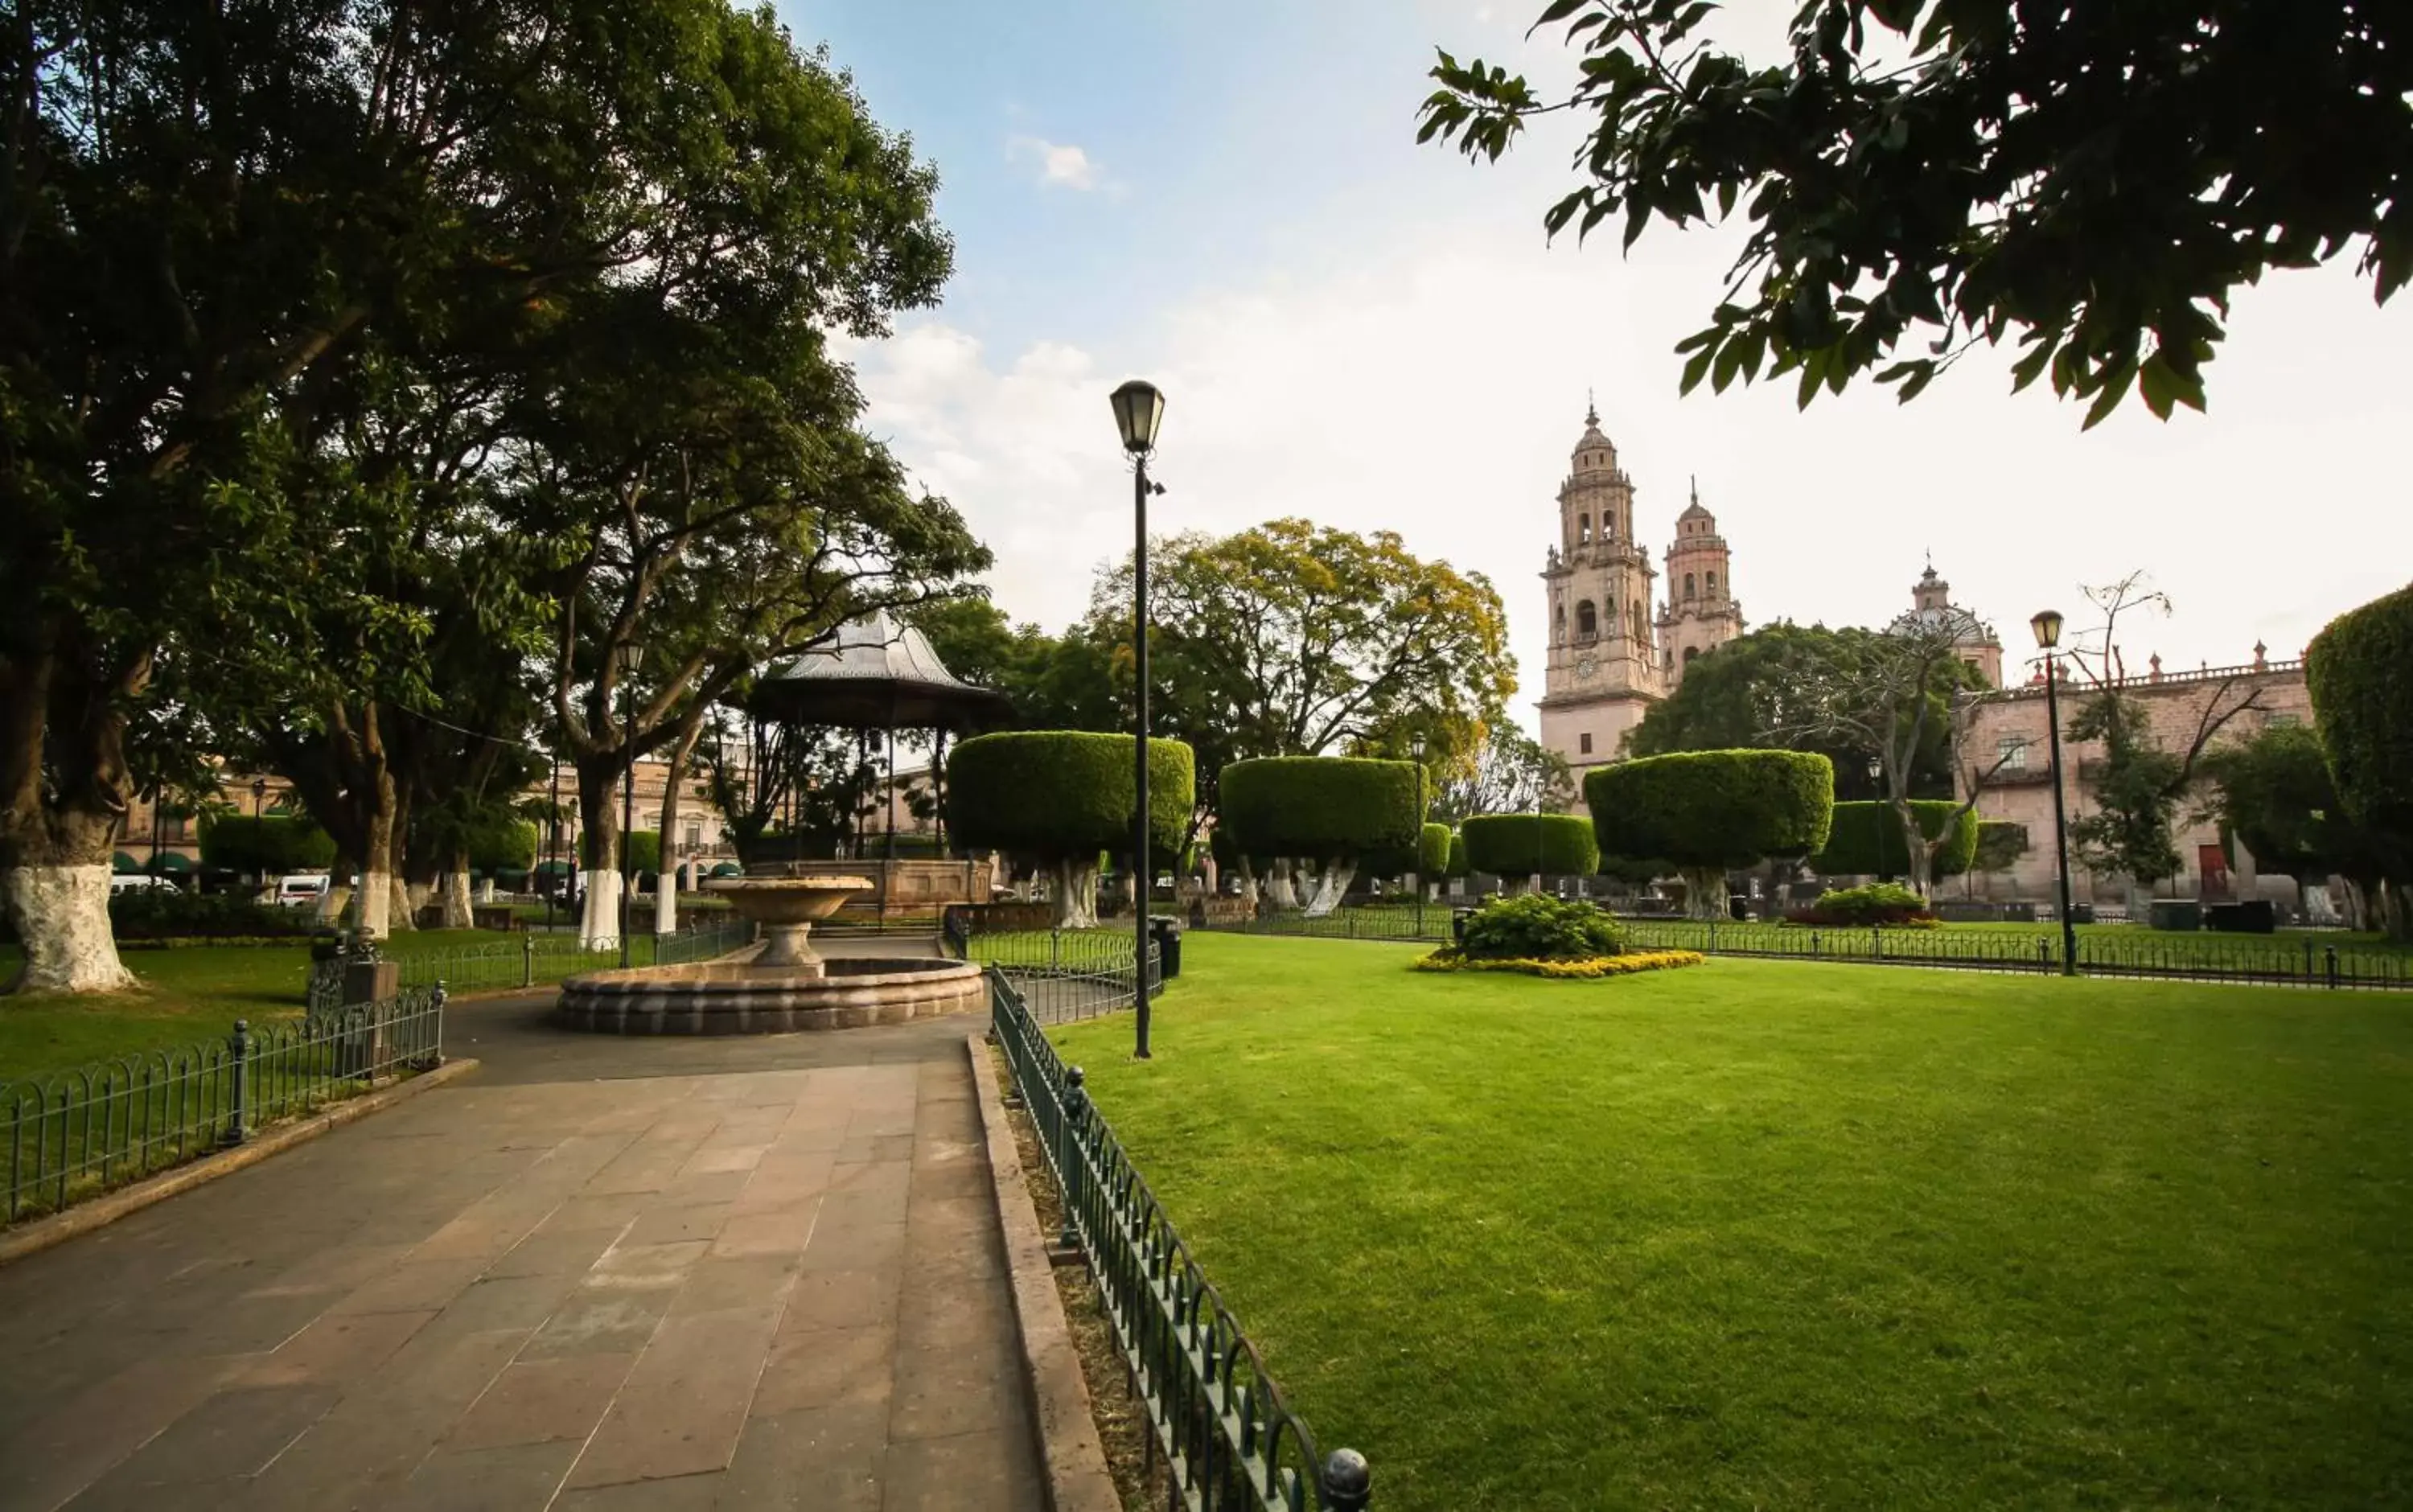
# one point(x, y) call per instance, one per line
point(136, 881)
point(302, 890)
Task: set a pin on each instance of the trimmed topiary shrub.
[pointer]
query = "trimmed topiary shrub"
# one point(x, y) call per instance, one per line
point(272, 844)
point(1865, 839)
point(2357, 671)
point(1456, 866)
point(1536, 927)
point(1706, 812)
point(1059, 797)
point(1432, 859)
point(1879, 903)
point(1334, 809)
point(1523, 845)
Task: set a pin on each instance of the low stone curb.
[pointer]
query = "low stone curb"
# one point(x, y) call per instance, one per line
point(1069, 1446)
point(42, 1233)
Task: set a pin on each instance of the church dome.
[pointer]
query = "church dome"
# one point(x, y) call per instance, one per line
point(1594, 452)
point(1964, 628)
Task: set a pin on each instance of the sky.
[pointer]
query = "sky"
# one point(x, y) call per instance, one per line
point(1229, 201)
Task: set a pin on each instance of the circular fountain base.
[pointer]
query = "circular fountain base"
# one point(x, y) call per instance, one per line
point(743, 997)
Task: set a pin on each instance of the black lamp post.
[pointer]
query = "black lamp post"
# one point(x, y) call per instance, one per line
point(2046, 625)
point(629, 655)
point(1139, 408)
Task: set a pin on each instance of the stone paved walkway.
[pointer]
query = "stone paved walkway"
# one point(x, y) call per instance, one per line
point(734, 1274)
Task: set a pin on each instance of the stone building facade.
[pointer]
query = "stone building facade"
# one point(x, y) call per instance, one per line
point(1614, 649)
point(2010, 729)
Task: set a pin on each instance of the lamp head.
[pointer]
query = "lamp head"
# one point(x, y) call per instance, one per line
point(1876, 768)
point(1417, 745)
point(628, 656)
point(2046, 625)
point(1139, 408)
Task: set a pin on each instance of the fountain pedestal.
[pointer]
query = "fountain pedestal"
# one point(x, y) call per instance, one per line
point(787, 908)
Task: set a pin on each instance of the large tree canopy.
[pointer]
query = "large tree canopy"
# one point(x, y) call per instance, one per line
point(2095, 180)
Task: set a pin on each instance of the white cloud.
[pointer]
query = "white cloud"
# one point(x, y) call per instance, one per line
point(1437, 387)
point(1060, 164)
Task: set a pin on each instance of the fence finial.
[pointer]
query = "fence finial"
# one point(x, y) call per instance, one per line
point(1348, 1481)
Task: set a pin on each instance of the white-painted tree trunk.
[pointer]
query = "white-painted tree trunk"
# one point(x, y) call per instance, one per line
point(409, 898)
point(1705, 893)
point(61, 915)
point(1279, 891)
point(455, 899)
point(666, 902)
point(333, 902)
point(1330, 886)
point(376, 905)
point(599, 927)
point(486, 891)
point(1073, 892)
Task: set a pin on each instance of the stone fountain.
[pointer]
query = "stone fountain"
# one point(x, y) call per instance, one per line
point(778, 985)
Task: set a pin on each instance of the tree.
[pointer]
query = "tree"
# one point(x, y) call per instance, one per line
point(1293, 639)
point(1896, 693)
point(2274, 793)
point(1708, 812)
point(1532, 845)
point(2000, 842)
point(2363, 698)
point(268, 846)
point(2137, 785)
point(1058, 798)
point(1514, 774)
point(2096, 180)
point(1744, 695)
point(1329, 809)
point(1865, 839)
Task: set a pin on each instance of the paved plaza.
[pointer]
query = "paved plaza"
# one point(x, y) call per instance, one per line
point(598, 1274)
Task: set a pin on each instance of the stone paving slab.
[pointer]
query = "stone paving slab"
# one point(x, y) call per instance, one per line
point(761, 1275)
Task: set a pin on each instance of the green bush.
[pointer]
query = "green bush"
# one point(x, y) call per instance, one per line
point(1712, 809)
point(645, 851)
point(503, 843)
point(272, 845)
point(1432, 859)
point(1865, 838)
point(1521, 845)
point(2357, 671)
point(164, 914)
point(1321, 808)
point(1456, 866)
point(1878, 903)
point(1539, 927)
point(2000, 842)
point(1054, 795)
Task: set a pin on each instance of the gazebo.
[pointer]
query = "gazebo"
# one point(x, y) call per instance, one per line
point(876, 674)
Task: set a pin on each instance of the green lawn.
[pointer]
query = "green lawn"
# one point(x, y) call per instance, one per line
point(1765, 1234)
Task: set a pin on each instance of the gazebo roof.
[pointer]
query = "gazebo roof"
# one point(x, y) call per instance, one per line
point(875, 675)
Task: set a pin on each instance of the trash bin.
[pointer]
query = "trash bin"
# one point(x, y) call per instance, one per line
point(2081, 914)
point(1458, 918)
point(2180, 914)
point(1166, 932)
point(1737, 906)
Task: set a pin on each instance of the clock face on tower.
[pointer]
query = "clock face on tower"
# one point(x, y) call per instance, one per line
point(1587, 667)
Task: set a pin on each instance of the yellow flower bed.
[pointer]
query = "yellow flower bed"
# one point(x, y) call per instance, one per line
point(1586, 970)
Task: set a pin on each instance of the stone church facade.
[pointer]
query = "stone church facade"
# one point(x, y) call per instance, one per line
point(1615, 647)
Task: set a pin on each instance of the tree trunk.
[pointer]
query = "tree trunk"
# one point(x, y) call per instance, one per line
point(1279, 892)
point(598, 816)
point(65, 788)
point(1704, 892)
point(1329, 888)
point(666, 880)
point(1920, 862)
point(377, 889)
point(62, 914)
point(452, 892)
point(1073, 892)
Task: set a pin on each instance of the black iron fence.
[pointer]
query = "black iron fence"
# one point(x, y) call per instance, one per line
point(533, 959)
point(73, 1134)
point(1216, 1420)
point(2297, 962)
point(1062, 975)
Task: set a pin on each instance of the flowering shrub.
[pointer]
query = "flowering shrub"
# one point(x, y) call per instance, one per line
point(1594, 967)
point(1536, 928)
point(1889, 904)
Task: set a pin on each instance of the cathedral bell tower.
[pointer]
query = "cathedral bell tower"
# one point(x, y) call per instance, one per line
point(1701, 612)
point(1604, 671)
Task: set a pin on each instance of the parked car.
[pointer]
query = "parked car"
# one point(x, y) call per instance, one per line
point(134, 882)
point(302, 890)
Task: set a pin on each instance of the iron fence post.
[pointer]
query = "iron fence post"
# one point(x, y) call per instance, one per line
point(435, 1047)
point(1067, 1157)
point(2044, 954)
point(1813, 944)
point(527, 960)
point(1876, 941)
point(2329, 964)
point(239, 1048)
point(1348, 1481)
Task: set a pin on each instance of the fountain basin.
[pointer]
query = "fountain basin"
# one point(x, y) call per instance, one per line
point(745, 997)
point(786, 908)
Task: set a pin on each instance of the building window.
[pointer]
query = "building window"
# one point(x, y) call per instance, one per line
point(1587, 625)
point(1689, 593)
point(2011, 753)
point(1634, 619)
point(1690, 652)
point(1583, 747)
point(694, 839)
point(1583, 536)
point(1708, 584)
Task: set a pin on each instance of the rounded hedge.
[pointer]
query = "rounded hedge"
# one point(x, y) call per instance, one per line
point(1456, 866)
point(272, 844)
point(1521, 845)
point(2356, 671)
point(1059, 795)
point(1701, 808)
point(1321, 808)
point(1865, 839)
point(503, 845)
point(1433, 850)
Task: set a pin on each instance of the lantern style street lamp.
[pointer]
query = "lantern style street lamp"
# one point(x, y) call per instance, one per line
point(2046, 625)
point(627, 657)
point(1416, 749)
point(1139, 408)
